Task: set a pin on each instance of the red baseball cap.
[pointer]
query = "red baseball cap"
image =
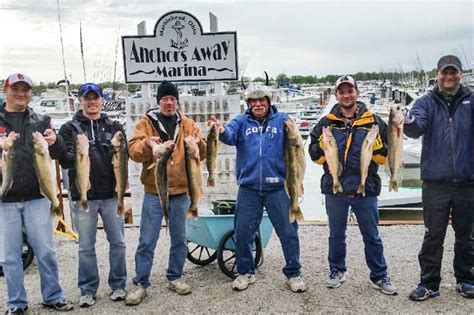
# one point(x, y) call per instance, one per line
point(17, 77)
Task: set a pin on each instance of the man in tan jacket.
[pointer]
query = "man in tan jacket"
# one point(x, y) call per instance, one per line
point(163, 128)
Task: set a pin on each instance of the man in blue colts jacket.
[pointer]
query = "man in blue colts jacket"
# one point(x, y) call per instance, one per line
point(259, 137)
point(444, 118)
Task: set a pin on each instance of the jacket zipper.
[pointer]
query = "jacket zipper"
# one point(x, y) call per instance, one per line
point(349, 133)
point(260, 149)
point(451, 136)
point(261, 154)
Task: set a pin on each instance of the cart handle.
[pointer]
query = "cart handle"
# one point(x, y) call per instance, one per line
point(226, 204)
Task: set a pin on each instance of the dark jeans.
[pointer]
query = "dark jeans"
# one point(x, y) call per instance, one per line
point(440, 200)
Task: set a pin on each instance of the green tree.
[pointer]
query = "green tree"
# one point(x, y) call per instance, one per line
point(282, 78)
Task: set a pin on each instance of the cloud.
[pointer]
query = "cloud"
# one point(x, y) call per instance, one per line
point(297, 37)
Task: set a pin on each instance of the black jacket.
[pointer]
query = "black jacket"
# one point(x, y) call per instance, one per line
point(25, 182)
point(349, 140)
point(100, 133)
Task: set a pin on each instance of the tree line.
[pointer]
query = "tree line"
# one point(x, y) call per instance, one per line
point(394, 76)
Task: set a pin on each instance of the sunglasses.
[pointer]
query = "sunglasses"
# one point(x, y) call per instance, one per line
point(90, 87)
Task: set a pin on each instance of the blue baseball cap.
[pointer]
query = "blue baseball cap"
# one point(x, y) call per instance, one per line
point(90, 87)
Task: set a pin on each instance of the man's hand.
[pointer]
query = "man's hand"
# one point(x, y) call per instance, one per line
point(49, 136)
point(152, 141)
point(6, 141)
point(213, 121)
point(408, 116)
point(160, 149)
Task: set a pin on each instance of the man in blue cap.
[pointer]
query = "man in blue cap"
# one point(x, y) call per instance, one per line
point(444, 117)
point(101, 196)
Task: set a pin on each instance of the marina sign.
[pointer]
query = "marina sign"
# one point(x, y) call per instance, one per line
point(179, 51)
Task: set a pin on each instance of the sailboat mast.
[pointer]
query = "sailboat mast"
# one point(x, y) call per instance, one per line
point(115, 64)
point(64, 62)
point(82, 51)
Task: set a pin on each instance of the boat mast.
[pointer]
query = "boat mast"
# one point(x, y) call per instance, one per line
point(64, 62)
point(82, 51)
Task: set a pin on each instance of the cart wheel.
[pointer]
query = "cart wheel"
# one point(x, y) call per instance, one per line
point(26, 257)
point(201, 255)
point(226, 253)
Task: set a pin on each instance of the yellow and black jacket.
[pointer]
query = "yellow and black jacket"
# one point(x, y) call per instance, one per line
point(350, 135)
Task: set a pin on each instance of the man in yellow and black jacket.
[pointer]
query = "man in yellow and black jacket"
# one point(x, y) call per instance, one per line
point(350, 121)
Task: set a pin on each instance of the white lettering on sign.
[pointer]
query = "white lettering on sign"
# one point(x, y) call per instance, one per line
point(180, 51)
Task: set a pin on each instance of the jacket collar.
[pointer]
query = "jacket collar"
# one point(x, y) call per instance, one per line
point(152, 114)
point(29, 110)
point(362, 112)
point(80, 117)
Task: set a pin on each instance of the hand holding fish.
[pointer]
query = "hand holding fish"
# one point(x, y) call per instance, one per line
point(152, 141)
point(49, 136)
point(191, 144)
point(160, 148)
point(213, 121)
point(8, 141)
point(408, 116)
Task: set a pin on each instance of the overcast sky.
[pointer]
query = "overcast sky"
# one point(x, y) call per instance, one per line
point(292, 37)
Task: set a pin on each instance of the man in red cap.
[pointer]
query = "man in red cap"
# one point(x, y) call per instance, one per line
point(23, 207)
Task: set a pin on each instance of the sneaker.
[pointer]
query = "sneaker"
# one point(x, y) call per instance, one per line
point(335, 278)
point(179, 286)
point(62, 305)
point(136, 295)
point(118, 295)
point(16, 310)
point(86, 300)
point(296, 284)
point(421, 293)
point(242, 282)
point(385, 284)
point(466, 290)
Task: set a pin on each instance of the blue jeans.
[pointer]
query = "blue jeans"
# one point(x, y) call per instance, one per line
point(86, 225)
point(248, 215)
point(365, 209)
point(152, 216)
point(32, 217)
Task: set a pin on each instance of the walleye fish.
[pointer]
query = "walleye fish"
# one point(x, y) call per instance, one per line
point(211, 154)
point(395, 145)
point(163, 155)
point(366, 157)
point(7, 164)
point(332, 159)
point(193, 173)
point(45, 172)
point(120, 163)
point(83, 166)
point(295, 168)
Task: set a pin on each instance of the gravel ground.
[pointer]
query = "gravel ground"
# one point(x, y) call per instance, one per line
point(212, 291)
